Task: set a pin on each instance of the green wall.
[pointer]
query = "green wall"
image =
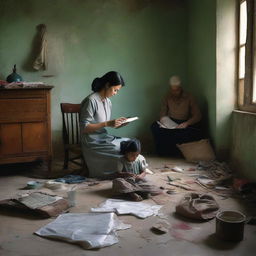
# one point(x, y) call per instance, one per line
point(244, 144)
point(226, 74)
point(212, 77)
point(212, 66)
point(201, 68)
point(145, 40)
point(235, 129)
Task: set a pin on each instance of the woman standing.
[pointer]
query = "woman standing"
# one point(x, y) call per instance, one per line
point(100, 149)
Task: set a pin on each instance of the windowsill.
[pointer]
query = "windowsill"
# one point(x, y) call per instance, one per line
point(244, 112)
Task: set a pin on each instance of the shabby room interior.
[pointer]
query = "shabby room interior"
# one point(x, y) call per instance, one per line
point(209, 44)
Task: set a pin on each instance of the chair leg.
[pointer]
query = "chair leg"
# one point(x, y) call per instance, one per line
point(49, 167)
point(85, 167)
point(66, 159)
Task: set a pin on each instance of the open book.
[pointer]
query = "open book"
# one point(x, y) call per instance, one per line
point(167, 123)
point(130, 119)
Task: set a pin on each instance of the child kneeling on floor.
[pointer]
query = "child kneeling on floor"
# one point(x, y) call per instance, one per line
point(132, 173)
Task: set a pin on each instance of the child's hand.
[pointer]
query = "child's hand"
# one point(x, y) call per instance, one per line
point(141, 176)
point(131, 175)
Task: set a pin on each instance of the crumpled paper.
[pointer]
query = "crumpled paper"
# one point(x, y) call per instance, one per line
point(90, 230)
point(139, 209)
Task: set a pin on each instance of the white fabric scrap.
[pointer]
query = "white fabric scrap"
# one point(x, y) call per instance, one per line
point(139, 209)
point(90, 230)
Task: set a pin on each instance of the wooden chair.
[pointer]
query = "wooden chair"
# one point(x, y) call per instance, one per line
point(71, 134)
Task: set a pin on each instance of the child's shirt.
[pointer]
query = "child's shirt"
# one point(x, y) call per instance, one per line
point(135, 167)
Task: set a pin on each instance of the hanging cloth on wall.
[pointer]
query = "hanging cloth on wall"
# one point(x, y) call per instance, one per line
point(41, 58)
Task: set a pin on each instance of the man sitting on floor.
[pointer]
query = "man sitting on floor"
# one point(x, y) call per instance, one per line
point(179, 118)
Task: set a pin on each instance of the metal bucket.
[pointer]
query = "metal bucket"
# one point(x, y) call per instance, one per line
point(230, 225)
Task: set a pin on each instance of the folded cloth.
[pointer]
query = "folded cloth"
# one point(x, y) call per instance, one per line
point(41, 59)
point(71, 179)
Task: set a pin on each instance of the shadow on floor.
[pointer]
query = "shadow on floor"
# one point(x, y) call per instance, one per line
point(184, 219)
point(39, 169)
point(20, 213)
point(105, 193)
point(215, 243)
point(15, 169)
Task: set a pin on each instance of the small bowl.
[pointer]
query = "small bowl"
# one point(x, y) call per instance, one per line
point(33, 184)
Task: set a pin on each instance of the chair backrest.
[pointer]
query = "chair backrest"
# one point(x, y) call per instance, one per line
point(70, 121)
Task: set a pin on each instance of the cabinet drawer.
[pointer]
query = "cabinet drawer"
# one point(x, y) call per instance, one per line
point(34, 137)
point(23, 110)
point(21, 93)
point(10, 139)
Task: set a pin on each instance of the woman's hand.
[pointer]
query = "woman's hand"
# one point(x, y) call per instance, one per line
point(116, 122)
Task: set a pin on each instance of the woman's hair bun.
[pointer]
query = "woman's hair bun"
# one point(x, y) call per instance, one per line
point(111, 78)
point(96, 84)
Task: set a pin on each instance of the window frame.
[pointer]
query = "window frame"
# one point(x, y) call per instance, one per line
point(247, 84)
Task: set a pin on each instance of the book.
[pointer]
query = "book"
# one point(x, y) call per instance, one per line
point(167, 123)
point(130, 119)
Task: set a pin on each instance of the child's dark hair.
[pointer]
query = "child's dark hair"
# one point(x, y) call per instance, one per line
point(132, 145)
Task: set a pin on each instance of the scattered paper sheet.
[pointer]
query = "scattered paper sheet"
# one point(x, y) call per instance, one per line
point(37, 200)
point(90, 230)
point(139, 209)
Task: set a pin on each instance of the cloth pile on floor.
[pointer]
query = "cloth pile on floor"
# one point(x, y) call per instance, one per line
point(96, 229)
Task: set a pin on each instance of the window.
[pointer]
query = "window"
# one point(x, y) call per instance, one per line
point(247, 56)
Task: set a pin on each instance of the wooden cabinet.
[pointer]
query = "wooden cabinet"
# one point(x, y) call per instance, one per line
point(25, 125)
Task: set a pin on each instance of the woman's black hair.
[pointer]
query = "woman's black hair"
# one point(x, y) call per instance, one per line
point(112, 78)
point(132, 145)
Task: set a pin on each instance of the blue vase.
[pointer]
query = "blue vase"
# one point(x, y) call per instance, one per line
point(14, 77)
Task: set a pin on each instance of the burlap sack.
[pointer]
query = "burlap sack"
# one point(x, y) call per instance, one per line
point(196, 151)
point(197, 206)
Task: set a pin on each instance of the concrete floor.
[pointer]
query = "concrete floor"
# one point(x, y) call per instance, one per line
point(17, 238)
